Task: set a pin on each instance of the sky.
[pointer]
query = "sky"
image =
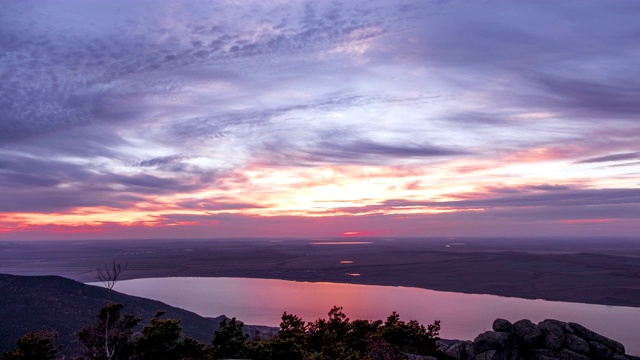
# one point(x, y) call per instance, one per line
point(207, 119)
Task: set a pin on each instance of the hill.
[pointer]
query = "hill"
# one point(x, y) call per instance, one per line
point(32, 303)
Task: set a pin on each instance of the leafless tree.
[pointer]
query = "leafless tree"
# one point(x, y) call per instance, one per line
point(109, 275)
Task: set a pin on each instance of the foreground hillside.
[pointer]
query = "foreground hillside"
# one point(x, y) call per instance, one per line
point(32, 303)
point(331, 338)
point(68, 308)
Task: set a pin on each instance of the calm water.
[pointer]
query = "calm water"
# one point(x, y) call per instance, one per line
point(463, 316)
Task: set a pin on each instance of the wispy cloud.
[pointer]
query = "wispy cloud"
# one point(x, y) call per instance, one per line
point(163, 111)
point(610, 158)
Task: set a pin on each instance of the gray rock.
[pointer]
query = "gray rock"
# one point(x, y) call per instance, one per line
point(631, 357)
point(619, 357)
point(502, 325)
point(456, 351)
point(514, 352)
point(555, 323)
point(577, 344)
point(491, 355)
point(528, 332)
point(443, 344)
point(463, 350)
point(553, 333)
point(564, 354)
point(599, 351)
point(540, 354)
point(469, 350)
point(491, 340)
point(589, 335)
point(418, 357)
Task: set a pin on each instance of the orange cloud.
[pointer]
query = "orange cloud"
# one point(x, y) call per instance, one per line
point(544, 153)
point(361, 233)
point(586, 221)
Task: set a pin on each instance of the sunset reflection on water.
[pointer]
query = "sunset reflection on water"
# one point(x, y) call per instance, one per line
point(341, 242)
point(463, 316)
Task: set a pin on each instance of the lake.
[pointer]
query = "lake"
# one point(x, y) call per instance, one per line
point(463, 316)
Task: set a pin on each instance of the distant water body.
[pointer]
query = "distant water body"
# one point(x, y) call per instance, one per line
point(463, 316)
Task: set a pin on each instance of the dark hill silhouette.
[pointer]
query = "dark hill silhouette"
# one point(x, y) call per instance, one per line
point(32, 303)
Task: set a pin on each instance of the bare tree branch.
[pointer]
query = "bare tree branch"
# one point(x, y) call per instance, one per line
point(109, 274)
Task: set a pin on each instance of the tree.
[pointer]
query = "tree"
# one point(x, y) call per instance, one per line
point(160, 340)
point(109, 276)
point(190, 349)
point(381, 350)
point(359, 336)
point(34, 346)
point(290, 343)
point(111, 338)
point(291, 326)
point(229, 341)
point(328, 337)
point(410, 337)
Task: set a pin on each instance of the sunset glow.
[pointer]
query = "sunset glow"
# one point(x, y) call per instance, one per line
point(319, 119)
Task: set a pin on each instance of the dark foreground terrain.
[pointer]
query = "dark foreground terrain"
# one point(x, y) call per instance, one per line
point(53, 303)
point(63, 305)
point(598, 271)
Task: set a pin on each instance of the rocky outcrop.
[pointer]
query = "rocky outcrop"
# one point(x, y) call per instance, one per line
point(547, 340)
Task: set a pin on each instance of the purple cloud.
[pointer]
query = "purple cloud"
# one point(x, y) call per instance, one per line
point(609, 158)
point(109, 104)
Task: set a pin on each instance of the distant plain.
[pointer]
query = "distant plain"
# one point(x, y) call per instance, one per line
point(597, 271)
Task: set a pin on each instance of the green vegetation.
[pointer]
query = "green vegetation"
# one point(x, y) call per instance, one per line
point(110, 337)
point(113, 337)
point(29, 303)
point(118, 336)
point(34, 346)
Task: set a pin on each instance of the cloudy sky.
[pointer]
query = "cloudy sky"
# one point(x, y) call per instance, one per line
point(200, 119)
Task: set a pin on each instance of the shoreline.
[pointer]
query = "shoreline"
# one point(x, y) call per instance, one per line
point(366, 284)
point(594, 272)
point(463, 316)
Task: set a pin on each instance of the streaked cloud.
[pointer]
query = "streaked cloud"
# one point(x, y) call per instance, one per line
point(613, 157)
point(126, 117)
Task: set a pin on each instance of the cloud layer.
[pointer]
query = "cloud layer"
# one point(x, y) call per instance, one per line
point(414, 118)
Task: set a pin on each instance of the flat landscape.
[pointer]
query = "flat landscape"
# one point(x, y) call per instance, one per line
point(597, 271)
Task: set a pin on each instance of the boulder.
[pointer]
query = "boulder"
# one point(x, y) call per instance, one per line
point(463, 350)
point(599, 351)
point(553, 332)
point(564, 354)
point(540, 354)
point(491, 340)
point(491, 355)
point(456, 351)
point(444, 344)
point(514, 352)
point(620, 357)
point(577, 344)
point(502, 325)
point(527, 332)
point(589, 335)
point(469, 350)
point(418, 357)
point(523, 340)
